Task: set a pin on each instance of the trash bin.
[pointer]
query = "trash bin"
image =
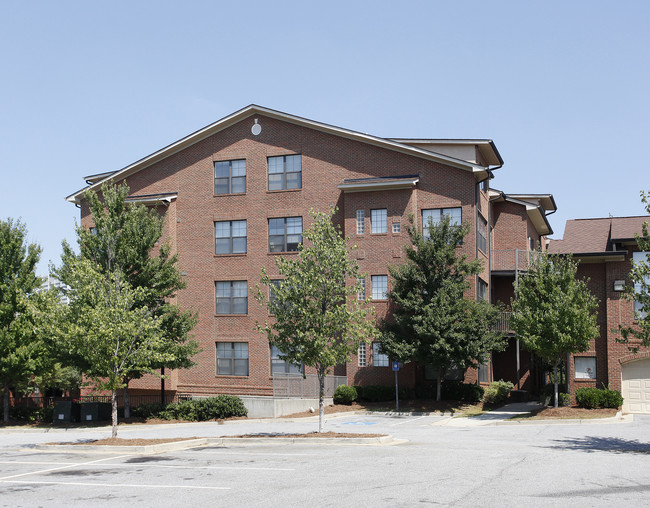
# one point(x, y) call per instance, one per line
point(95, 411)
point(66, 411)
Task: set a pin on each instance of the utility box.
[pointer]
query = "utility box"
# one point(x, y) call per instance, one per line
point(95, 411)
point(66, 411)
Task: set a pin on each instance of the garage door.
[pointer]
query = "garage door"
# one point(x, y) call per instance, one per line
point(636, 386)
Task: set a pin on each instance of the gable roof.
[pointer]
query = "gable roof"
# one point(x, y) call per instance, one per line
point(95, 181)
point(538, 206)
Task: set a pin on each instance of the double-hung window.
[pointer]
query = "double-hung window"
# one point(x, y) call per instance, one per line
point(285, 234)
point(378, 220)
point(435, 215)
point(281, 366)
point(232, 358)
point(640, 311)
point(230, 237)
point(232, 297)
point(285, 172)
point(379, 287)
point(230, 177)
point(379, 359)
point(481, 233)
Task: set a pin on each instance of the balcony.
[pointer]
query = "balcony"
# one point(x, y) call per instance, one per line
point(512, 260)
point(503, 323)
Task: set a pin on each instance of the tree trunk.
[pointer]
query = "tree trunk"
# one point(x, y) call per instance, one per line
point(321, 400)
point(114, 413)
point(5, 404)
point(555, 373)
point(439, 384)
point(127, 401)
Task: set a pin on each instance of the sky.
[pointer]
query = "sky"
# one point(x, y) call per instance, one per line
point(561, 87)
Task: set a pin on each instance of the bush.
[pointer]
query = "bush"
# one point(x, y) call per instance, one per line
point(457, 390)
point(612, 398)
point(31, 414)
point(591, 398)
point(222, 406)
point(498, 392)
point(375, 393)
point(565, 399)
point(345, 395)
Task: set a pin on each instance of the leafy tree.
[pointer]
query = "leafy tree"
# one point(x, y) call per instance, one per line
point(432, 322)
point(107, 327)
point(123, 241)
point(639, 290)
point(318, 321)
point(22, 352)
point(554, 312)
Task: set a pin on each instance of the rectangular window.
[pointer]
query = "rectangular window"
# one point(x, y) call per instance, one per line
point(481, 234)
point(484, 373)
point(378, 220)
point(230, 237)
point(362, 357)
point(397, 227)
point(285, 172)
point(285, 234)
point(435, 215)
point(281, 366)
point(481, 290)
point(230, 177)
point(640, 257)
point(361, 222)
point(232, 297)
point(232, 358)
point(274, 283)
point(378, 359)
point(361, 294)
point(585, 367)
point(379, 287)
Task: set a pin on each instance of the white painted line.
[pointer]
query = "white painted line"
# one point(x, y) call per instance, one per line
point(63, 467)
point(407, 421)
point(113, 485)
point(162, 466)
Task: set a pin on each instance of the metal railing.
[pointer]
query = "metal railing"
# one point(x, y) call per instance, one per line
point(294, 385)
point(513, 260)
point(503, 323)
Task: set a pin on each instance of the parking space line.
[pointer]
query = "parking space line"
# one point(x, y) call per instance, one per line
point(112, 485)
point(67, 466)
point(407, 421)
point(162, 466)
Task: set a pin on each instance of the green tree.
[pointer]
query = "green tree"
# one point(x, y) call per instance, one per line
point(123, 240)
point(554, 311)
point(318, 320)
point(107, 328)
point(639, 290)
point(22, 352)
point(432, 322)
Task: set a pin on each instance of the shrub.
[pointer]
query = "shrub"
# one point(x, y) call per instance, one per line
point(612, 398)
point(457, 390)
point(345, 394)
point(375, 393)
point(222, 406)
point(31, 414)
point(565, 399)
point(589, 398)
point(498, 392)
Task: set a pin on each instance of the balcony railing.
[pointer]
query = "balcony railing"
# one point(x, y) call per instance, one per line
point(512, 260)
point(503, 323)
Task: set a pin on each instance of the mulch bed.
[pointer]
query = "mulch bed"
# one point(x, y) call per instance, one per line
point(424, 405)
point(577, 413)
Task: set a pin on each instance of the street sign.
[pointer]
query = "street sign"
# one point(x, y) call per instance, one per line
point(395, 366)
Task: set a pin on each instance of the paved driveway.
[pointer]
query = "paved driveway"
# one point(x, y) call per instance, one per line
point(522, 465)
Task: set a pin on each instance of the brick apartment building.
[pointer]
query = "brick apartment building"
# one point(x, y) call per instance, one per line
point(236, 194)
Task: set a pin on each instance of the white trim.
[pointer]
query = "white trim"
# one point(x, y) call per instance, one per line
point(377, 186)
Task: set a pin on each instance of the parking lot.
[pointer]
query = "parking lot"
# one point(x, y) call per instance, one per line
point(532, 465)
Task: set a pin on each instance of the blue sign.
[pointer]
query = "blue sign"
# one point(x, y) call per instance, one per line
point(395, 366)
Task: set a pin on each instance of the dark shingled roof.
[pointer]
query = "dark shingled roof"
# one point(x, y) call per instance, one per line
point(583, 236)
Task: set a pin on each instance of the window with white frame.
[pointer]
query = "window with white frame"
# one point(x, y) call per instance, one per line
point(435, 215)
point(232, 358)
point(481, 289)
point(379, 359)
point(285, 172)
point(230, 237)
point(232, 297)
point(378, 220)
point(362, 356)
point(585, 367)
point(379, 287)
point(361, 222)
point(281, 366)
point(361, 293)
point(481, 234)
point(230, 177)
point(285, 234)
point(397, 227)
point(640, 257)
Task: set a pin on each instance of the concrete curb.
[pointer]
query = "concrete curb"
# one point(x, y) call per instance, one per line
point(629, 418)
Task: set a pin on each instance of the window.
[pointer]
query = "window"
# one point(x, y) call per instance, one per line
point(230, 237)
point(285, 172)
point(362, 357)
point(640, 257)
point(274, 283)
point(378, 359)
point(361, 294)
point(481, 234)
point(232, 358)
point(434, 215)
point(379, 287)
point(397, 227)
point(281, 366)
point(585, 367)
point(484, 373)
point(378, 220)
point(481, 290)
point(531, 243)
point(285, 234)
point(361, 222)
point(230, 177)
point(232, 297)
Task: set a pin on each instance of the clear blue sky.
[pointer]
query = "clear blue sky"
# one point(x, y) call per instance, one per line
point(562, 87)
